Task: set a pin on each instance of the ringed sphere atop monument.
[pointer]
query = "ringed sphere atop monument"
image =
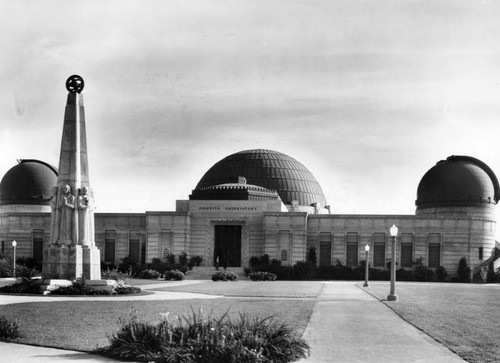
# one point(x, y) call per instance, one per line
point(75, 84)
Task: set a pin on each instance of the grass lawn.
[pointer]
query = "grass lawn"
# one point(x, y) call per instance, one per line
point(464, 317)
point(84, 326)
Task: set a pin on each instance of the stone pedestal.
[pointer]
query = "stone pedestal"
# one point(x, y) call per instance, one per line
point(62, 262)
point(91, 262)
point(70, 262)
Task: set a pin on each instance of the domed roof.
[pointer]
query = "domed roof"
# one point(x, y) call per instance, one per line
point(268, 169)
point(29, 182)
point(458, 181)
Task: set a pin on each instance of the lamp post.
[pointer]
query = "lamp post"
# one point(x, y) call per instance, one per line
point(14, 244)
point(392, 295)
point(367, 249)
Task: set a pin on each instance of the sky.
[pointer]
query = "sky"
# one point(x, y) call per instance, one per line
point(368, 95)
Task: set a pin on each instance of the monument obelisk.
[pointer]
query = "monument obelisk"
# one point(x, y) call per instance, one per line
point(72, 251)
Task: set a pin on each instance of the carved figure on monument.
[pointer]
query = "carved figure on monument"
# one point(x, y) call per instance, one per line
point(85, 204)
point(66, 208)
point(54, 217)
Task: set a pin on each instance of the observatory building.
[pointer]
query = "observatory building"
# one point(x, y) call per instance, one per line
point(257, 202)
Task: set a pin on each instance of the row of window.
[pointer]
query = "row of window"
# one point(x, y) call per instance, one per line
point(405, 256)
point(136, 249)
point(378, 254)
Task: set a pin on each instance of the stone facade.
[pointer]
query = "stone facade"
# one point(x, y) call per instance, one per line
point(266, 229)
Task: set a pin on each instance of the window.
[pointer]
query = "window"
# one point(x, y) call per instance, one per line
point(38, 245)
point(134, 246)
point(480, 253)
point(379, 249)
point(166, 244)
point(284, 244)
point(3, 246)
point(434, 240)
point(325, 249)
point(406, 250)
point(284, 255)
point(109, 246)
point(352, 249)
point(406, 255)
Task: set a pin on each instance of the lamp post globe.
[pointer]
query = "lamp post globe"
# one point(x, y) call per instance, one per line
point(367, 250)
point(392, 294)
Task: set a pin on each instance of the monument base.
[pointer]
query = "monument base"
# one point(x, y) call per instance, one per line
point(62, 262)
point(48, 285)
point(69, 262)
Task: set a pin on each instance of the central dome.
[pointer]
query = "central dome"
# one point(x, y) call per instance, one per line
point(268, 169)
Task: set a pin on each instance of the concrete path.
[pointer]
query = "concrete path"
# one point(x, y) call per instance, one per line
point(348, 325)
point(13, 353)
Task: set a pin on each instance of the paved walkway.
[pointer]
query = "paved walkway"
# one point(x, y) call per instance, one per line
point(347, 325)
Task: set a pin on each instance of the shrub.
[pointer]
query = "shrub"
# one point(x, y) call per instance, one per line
point(194, 338)
point(161, 267)
point(8, 329)
point(247, 271)
point(423, 273)
point(23, 286)
point(196, 260)
point(128, 266)
point(170, 258)
point(107, 265)
point(311, 255)
point(463, 270)
point(303, 270)
point(5, 267)
point(184, 269)
point(149, 274)
point(404, 275)
point(174, 275)
point(224, 276)
point(29, 262)
point(183, 260)
point(124, 289)
point(113, 274)
point(25, 271)
point(255, 261)
point(442, 274)
point(78, 287)
point(262, 276)
point(492, 275)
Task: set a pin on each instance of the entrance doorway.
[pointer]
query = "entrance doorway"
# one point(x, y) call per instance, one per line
point(227, 245)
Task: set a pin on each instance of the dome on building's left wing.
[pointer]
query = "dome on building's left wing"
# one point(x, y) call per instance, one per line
point(28, 183)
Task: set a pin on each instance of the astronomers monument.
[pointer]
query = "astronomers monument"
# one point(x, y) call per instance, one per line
point(71, 251)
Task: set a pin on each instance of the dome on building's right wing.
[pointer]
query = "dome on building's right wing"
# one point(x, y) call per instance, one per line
point(29, 182)
point(458, 181)
point(269, 169)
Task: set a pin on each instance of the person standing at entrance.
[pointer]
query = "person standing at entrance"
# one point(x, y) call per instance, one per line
point(217, 264)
